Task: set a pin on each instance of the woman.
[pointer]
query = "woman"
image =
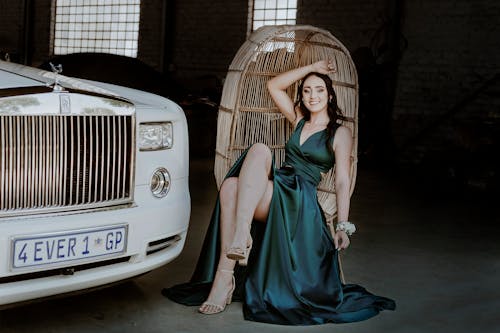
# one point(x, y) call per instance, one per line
point(292, 275)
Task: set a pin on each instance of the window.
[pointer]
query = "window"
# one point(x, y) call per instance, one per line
point(109, 26)
point(273, 12)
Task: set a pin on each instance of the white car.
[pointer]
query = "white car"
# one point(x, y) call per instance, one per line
point(93, 183)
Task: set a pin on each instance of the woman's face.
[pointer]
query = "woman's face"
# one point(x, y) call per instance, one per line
point(315, 94)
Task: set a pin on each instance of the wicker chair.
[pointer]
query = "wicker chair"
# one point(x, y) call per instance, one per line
point(247, 113)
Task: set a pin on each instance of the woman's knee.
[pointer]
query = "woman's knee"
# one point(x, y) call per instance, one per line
point(228, 190)
point(260, 150)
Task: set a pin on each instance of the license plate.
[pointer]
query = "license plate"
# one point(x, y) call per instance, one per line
point(61, 248)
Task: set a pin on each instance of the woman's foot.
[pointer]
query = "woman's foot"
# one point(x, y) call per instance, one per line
point(221, 293)
point(240, 249)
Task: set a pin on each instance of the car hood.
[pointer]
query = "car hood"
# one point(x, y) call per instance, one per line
point(14, 75)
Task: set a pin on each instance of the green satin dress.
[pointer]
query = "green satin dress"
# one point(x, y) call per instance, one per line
point(292, 276)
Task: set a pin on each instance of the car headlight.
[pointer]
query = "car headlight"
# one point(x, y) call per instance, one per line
point(156, 136)
point(160, 182)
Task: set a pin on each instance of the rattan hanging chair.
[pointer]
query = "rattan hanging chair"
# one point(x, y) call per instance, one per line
point(247, 113)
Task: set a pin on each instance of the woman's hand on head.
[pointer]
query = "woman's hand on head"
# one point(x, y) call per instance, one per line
point(324, 67)
point(341, 240)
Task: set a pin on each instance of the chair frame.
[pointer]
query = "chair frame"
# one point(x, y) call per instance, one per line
point(248, 115)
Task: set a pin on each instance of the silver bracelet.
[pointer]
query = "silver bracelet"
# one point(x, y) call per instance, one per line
point(346, 226)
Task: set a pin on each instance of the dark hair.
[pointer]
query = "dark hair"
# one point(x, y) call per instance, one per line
point(334, 112)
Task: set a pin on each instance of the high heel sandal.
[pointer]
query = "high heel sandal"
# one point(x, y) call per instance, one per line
point(217, 308)
point(237, 253)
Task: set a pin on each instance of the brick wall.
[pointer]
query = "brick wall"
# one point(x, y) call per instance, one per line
point(207, 36)
point(446, 115)
point(151, 34)
point(40, 49)
point(354, 23)
point(11, 28)
point(453, 47)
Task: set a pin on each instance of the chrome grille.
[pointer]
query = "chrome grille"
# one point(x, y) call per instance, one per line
point(60, 162)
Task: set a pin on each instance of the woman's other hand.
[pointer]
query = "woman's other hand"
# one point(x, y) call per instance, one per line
point(341, 240)
point(324, 67)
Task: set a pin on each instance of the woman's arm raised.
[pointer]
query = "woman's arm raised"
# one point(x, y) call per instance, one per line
point(277, 86)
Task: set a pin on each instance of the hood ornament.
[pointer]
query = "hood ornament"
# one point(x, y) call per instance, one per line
point(64, 98)
point(56, 70)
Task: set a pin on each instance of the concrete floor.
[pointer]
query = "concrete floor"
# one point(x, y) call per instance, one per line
point(438, 258)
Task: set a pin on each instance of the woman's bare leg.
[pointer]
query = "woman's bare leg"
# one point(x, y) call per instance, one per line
point(222, 283)
point(253, 181)
point(233, 197)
